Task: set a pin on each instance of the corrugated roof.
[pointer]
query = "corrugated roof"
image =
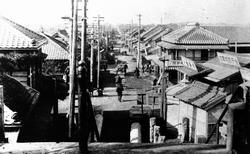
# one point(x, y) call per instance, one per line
point(194, 34)
point(201, 95)
point(55, 49)
point(16, 37)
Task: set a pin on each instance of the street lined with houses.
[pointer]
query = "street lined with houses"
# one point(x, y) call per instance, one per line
point(88, 86)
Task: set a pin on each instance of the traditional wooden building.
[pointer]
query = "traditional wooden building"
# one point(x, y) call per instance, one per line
point(194, 42)
point(203, 101)
point(195, 104)
point(21, 51)
point(150, 37)
point(57, 58)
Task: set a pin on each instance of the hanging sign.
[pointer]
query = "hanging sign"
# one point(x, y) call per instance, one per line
point(228, 59)
point(188, 63)
point(245, 73)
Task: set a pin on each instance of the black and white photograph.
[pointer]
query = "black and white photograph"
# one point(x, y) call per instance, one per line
point(124, 76)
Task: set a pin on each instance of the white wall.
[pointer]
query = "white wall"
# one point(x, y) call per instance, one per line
point(186, 110)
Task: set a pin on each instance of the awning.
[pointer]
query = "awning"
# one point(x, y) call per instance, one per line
point(167, 45)
point(186, 70)
point(220, 73)
point(201, 95)
point(155, 59)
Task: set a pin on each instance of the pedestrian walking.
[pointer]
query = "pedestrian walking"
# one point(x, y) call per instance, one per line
point(119, 87)
point(136, 72)
point(125, 67)
point(143, 68)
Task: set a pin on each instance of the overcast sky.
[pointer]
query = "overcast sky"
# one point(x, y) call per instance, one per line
point(49, 12)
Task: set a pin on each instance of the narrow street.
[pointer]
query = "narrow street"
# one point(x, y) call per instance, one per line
point(115, 126)
point(104, 77)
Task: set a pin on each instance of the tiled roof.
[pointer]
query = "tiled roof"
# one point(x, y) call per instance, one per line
point(55, 49)
point(201, 95)
point(167, 45)
point(175, 88)
point(16, 37)
point(238, 34)
point(194, 34)
point(135, 32)
point(61, 35)
point(156, 34)
point(161, 34)
point(152, 31)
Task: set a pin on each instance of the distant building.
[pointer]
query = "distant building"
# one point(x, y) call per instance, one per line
point(238, 36)
point(57, 58)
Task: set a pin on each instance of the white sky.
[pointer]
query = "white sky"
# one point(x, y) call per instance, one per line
point(49, 12)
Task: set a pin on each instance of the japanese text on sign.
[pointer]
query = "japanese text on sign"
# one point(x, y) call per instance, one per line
point(228, 59)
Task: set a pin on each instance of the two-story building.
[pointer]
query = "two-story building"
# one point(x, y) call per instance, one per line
point(193, 42)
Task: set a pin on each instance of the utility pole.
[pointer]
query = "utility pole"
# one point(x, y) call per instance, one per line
point(84, 30)
point(107, 40)
point(99, 19)
point(164, 78)
point(139, 43)
point(130, 37)
point(73, 69)
point(92, 55)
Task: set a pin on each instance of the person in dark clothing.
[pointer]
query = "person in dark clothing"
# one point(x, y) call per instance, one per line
point(125, 67)
point(155, 82)
point(119, 87)
point(136, 73)
point(119, 90)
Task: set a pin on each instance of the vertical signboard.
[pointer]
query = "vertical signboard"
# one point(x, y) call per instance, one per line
point(188, 63)
point(228, 59)
point(245, 73)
